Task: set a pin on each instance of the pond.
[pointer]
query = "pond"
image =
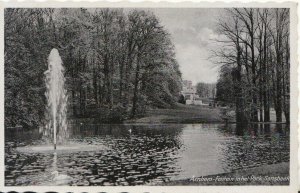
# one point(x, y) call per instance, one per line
point(143, 154)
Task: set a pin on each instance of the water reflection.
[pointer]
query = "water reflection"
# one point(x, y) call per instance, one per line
point(54, 164)
point(144, 154)
point(260, 144)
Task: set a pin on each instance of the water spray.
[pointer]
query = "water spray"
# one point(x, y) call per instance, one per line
point(56, 98)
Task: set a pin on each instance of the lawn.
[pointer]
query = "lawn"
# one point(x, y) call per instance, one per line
point(182, 114)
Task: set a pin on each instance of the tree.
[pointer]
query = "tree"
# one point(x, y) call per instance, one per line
point(258, 54)
point(116, 64)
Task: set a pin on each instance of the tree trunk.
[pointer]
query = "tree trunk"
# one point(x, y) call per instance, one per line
point(95, 87)
point(278, 105)
point(100, 93)
point(261, 84)
point(239, 100)
point(265, 79)
point(74, 103)
point(136, 85)
point(121, 81)
point(110, 90)
point(286, 85)
point(106, 79)
point(254, 112)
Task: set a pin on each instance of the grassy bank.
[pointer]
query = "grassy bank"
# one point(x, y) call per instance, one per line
point(181, 114)
point(177, 114)
point(275, 174)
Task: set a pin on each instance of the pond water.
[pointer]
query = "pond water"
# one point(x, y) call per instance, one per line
point(142, 154)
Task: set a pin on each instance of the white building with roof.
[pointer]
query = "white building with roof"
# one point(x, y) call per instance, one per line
point(189, 92)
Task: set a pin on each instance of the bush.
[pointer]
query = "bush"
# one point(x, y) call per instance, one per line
point(117, 114)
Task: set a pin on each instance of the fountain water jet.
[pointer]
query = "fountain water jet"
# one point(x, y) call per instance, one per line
point(56, 128)
point(56, 99)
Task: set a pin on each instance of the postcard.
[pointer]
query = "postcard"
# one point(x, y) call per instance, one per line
point(151, 97)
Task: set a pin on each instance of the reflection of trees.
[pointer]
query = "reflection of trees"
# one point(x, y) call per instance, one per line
point(22, 135)
point(87, 130)
point(259, 144)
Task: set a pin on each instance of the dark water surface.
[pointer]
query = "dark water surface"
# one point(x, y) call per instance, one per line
point(143, 154)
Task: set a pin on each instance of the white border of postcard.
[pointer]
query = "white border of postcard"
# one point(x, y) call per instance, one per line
point(294, 182)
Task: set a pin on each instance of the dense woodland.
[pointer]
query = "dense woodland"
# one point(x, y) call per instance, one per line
point(117, 62)
point(255, 58)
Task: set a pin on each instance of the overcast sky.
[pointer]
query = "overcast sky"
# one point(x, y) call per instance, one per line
point(192, 30)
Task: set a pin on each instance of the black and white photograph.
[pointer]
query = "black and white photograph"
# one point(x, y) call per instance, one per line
point(147, 96)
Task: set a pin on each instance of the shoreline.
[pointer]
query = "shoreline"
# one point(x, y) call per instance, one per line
point(180, 114)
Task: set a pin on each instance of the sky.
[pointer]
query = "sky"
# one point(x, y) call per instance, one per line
point(192, 31)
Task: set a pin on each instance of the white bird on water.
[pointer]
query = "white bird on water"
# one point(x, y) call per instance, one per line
point(130, 131)
point(61, 179)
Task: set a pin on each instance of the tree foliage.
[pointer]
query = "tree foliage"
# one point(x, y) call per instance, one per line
point(116, 63)
point(206, 90)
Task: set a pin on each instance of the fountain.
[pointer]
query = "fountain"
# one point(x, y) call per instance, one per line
point(56, 100)
point(56, 129)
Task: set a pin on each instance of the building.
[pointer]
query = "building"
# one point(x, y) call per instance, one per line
point(189, 92)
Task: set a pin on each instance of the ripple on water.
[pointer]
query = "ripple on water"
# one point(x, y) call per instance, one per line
point(149, 156)
point(60, 148)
